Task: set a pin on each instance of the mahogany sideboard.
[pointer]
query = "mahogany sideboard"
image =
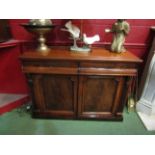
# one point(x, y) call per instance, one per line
point(65, 84)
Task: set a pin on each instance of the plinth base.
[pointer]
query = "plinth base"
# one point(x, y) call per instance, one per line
point(80, 49)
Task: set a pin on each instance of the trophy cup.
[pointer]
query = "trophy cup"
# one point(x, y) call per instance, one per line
point(40, 27)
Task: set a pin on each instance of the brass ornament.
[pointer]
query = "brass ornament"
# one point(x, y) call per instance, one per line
point(40, 27)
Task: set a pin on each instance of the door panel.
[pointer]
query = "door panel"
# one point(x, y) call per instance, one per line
point(99, 95)
point(58, 95)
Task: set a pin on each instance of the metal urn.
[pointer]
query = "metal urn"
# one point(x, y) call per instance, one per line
point(40, 27)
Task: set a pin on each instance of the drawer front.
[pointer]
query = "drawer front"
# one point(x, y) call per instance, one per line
point(50, 70)
point(108, 64)
point(50, 67)
point(108, 71)
point(50, 63)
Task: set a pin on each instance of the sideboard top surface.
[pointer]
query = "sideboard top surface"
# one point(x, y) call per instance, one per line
point(97, 54)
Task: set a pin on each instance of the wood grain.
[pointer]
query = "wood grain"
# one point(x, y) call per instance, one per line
point(79, 86)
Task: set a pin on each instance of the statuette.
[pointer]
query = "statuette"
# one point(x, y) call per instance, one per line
point(120, 30)
point(75, 35)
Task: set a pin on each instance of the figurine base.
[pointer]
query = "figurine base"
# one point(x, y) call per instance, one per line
point(118, 52)
point(80, 49)
point(121, 50)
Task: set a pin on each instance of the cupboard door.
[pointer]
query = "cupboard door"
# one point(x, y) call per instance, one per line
point(100, 96)
point(55, 95)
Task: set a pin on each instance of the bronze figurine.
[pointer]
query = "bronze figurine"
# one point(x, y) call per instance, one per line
point(120, 29)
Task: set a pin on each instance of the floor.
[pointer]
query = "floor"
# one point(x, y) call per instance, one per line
point(5, 99)
point(11, 101)
point(148, 121)
point(21, 123)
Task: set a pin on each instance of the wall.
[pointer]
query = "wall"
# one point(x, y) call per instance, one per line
point(137, 42)
point(12, 80)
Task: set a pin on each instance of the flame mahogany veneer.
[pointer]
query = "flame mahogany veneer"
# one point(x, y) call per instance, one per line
point(79, 86)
